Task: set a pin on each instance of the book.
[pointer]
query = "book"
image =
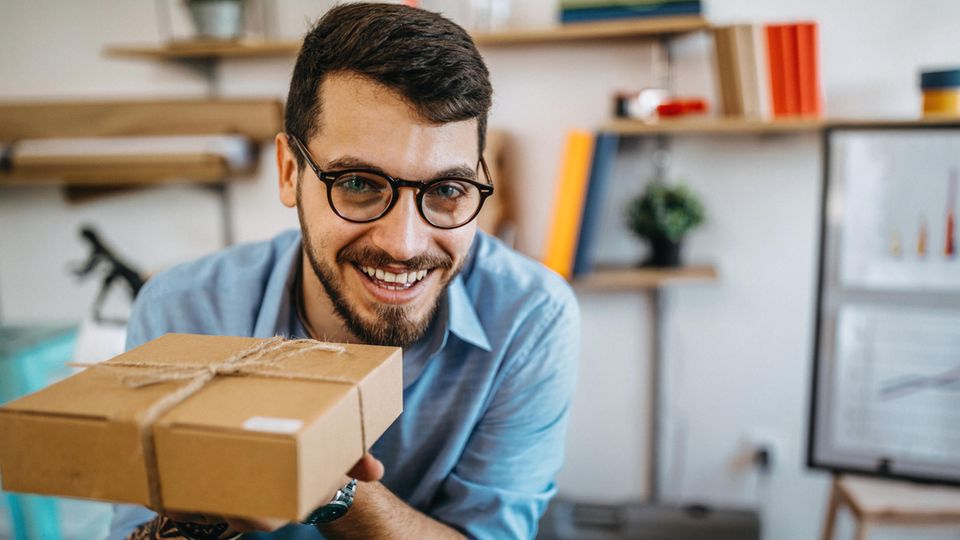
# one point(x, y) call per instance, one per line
point(741, 70)
point(571, 188)
point(776, 70)
point(593, 14)
point(762, 73)
point(727, 71)
point(601, 174)
point(748, 71)
point(580, 4)
point(808, 76)
point(791, 70)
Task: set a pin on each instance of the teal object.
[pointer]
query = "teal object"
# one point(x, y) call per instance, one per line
point(30, 359)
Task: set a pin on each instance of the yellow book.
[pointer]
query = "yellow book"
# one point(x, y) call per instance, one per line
point(561, 244)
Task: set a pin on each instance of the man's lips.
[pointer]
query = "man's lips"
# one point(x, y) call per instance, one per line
point(393, 286)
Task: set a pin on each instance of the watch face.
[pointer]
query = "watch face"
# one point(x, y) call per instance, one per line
point(328, 512)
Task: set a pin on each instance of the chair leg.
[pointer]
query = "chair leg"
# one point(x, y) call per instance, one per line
point(860, 533)
point(833, 507)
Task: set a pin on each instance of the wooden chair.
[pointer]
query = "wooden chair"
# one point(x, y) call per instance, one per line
point(874, 502)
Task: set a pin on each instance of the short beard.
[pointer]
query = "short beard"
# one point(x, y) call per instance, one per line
point(391, 325)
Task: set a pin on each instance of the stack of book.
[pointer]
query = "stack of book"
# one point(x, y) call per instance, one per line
point(769, 71)
point(585, 174)
point(574, 11)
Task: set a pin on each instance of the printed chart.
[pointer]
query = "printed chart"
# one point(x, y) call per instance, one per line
point(897, 384)
point(899, 204)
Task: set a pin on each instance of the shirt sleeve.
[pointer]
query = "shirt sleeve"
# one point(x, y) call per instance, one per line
point(505, 478)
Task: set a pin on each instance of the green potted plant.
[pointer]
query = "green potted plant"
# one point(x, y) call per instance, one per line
point(662, 215)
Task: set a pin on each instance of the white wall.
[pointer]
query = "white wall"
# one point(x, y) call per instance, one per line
point(737, 351)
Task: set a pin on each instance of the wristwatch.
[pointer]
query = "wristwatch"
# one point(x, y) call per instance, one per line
point(336, 508)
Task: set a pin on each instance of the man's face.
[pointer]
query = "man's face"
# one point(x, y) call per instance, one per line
point(366, 125)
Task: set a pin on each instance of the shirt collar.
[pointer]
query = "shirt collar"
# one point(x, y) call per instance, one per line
point(463, 319)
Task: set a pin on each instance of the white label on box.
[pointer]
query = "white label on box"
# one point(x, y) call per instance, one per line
point(272, 424)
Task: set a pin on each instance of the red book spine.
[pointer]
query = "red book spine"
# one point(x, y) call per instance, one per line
point(778, 91)
point(811, 103)
point(791, 69)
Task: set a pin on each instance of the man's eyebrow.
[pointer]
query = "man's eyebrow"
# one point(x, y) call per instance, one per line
point(350, 162)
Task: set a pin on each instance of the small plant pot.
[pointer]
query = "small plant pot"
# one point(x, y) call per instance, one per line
point(217, 19)
point(663, 253)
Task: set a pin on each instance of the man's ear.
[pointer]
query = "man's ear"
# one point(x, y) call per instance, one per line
point(287, 171)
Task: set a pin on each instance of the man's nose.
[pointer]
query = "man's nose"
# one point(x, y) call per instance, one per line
point(402, 233)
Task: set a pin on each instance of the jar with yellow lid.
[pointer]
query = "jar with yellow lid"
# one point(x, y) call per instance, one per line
point(941, 93)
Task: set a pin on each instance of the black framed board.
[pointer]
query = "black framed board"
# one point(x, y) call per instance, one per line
point(885, 396)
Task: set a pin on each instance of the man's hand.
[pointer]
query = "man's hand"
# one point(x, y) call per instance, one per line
point(368, 469)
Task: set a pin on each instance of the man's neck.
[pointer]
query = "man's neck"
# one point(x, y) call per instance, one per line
point(320, 318)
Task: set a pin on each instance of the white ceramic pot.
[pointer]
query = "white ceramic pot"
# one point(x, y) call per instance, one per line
point(217, 19)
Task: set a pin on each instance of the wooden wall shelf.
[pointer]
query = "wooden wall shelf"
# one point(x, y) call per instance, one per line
point(599, 31)
point(719, 125)
point(711, 126)
point(118, 170)
point(620, 278)
point(259, 119)
point(204, 49)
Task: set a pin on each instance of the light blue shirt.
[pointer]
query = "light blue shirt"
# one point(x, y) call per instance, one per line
point(486, 390)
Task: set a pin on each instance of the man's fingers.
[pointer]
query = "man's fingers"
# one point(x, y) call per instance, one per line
point(368, 469)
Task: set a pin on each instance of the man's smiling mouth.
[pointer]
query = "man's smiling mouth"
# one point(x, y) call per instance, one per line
point(396, 281)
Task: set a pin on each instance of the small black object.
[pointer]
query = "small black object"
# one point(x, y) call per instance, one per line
point(697, 510)
point(117, 269)
point(6, 157)
point(336, 508)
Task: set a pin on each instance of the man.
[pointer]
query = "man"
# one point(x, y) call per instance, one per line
point(385, 126)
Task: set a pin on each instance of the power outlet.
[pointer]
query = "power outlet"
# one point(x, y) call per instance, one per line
point(759, 451)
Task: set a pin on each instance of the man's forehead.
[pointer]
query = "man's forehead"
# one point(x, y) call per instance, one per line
point(354, 97)
point(363, 120)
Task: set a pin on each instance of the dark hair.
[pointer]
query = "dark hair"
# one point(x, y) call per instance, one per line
point(426, 58)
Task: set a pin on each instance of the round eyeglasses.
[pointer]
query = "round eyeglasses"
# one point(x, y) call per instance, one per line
point(364, 195)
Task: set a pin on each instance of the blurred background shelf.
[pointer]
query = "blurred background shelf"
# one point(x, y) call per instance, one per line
point(259, 119)
point(125, 170)
point(627, 278)
point(204, 49)
point(722, 125)
point(599, 31)
point(712, 125)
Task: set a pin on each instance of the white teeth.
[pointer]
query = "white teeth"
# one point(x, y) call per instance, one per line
point(406, 278)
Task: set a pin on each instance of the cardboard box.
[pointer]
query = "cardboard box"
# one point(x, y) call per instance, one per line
point(273, 439)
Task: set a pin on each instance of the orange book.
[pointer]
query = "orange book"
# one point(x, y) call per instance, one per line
point(778, 89)
point(791, 69)
point(811, 103)
point(561, 245)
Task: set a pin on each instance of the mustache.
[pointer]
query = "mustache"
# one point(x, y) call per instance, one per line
point(370, 256)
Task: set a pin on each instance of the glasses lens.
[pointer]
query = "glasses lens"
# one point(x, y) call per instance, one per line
point(360, 196)
point(450, 203)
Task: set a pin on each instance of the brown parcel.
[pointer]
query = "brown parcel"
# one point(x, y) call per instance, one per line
point(243, 445)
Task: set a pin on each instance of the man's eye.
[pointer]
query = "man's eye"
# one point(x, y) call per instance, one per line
point(358, 184)
point(448, 190)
